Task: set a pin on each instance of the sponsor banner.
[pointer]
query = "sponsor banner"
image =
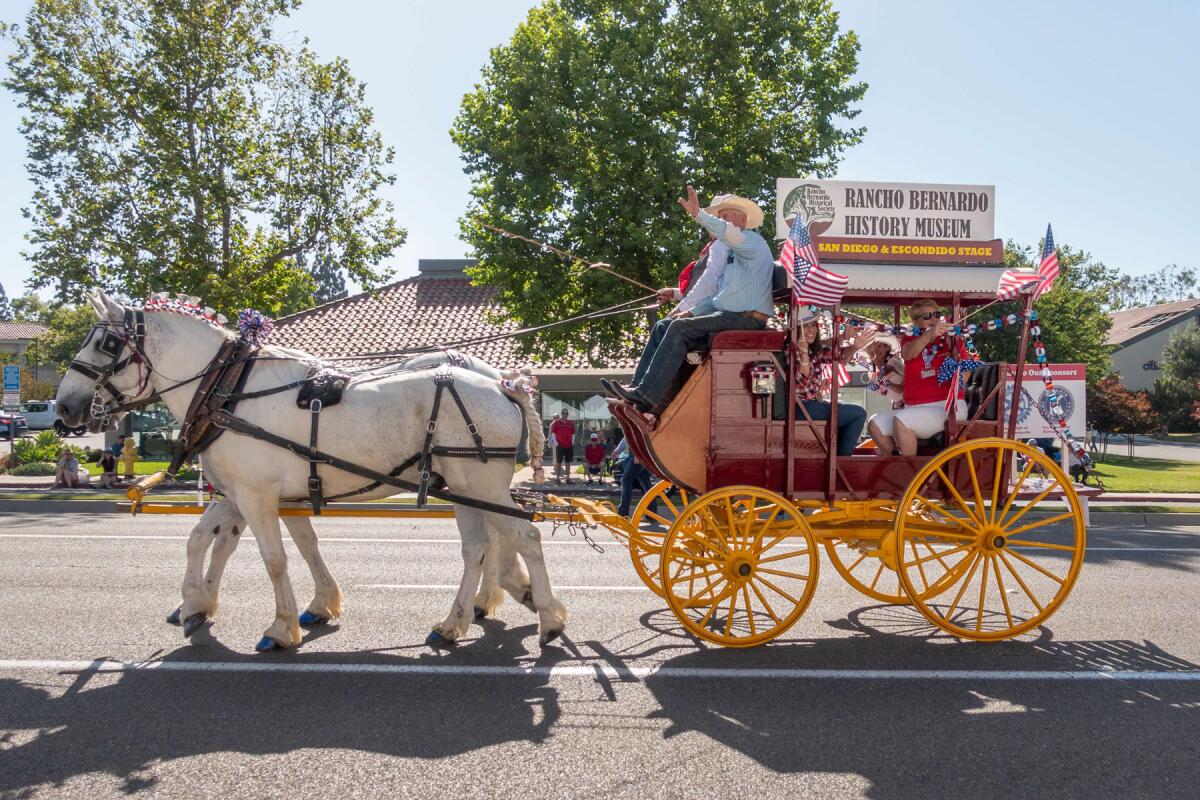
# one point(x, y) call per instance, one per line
point(12, 378)
point(1070, 380)
point(917, 222)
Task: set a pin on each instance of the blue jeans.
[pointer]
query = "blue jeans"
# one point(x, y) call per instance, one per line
point(656, 336)
point(850, 422)
point(682, 335)
point(633, 475)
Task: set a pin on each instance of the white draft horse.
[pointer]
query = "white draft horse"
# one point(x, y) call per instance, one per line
point(379, 424)
point(220, 526)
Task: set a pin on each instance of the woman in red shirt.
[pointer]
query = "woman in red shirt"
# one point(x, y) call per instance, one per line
point(924, 413)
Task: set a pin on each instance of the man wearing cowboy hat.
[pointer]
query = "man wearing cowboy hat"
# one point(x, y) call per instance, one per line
point(741, 298)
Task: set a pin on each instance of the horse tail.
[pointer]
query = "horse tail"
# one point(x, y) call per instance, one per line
point(520, 386)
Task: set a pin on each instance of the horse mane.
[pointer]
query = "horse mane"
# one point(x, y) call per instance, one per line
point(186, 306)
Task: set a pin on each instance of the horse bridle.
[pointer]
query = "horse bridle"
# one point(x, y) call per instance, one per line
point(115, 339)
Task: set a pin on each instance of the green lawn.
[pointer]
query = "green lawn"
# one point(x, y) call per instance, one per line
point(1180, 438)
point(139, 468)
point(1149, 475)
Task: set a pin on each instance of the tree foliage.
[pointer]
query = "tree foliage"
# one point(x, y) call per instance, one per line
point(1177, 391)
point(592, 118)
point(6, 311)
point(176, 145)
point(1071, 315)
point(1167, 285)
point(1115, 409)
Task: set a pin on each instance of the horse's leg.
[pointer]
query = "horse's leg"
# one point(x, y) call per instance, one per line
point(490, 595)
point(199, 601)
point(552, 615)
point(327, 595)
point(263, 515)
point(474, 535)
point(513, 577)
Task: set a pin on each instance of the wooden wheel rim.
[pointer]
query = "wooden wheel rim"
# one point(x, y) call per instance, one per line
point(645, 546)
point(1025, 577)
point(731, 582)
point(876, 577)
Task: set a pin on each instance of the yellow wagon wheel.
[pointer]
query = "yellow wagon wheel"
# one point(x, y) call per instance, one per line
point(740, 566)
point(1005, 559)
point(653, 517)
point(856, 562)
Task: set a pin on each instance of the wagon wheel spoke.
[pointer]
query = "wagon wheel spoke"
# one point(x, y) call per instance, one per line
point(920, 567)
point(987, 563)
point(1038, 567)
point(1044, 545)
point(1012, 496)
point(770, 611)
point(780, 573)
point(763, 528)
point(1000, 584)
point(1024, 509)
point(957, 497)
point(793, 554)
point(935, 507)
point(777, 590)
point(963, 589)
point(1001, 471)
point(749, 610)
point(939, 555)
point(1021, 582)
point(1041, 523)
point(979, 507)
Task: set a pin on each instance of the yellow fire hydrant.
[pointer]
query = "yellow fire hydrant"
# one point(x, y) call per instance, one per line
point(129, 456)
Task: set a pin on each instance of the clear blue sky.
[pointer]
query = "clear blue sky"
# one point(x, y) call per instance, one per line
point(1081, 113)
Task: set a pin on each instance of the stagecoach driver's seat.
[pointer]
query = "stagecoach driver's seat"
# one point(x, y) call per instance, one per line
point(741, 298)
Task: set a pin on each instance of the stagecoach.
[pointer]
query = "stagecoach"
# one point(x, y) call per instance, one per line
point(983, 535)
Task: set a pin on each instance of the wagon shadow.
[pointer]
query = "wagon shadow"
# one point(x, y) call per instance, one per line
point(961, 738)
point(126, 724)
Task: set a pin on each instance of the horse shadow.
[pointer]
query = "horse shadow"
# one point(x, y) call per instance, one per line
point(954, 737)
point(123, 724)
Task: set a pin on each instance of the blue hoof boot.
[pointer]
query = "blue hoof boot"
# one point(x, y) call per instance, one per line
point(548, 637)
point(480, 613)
point(435, 639)
point(173, 617)
point(193, 623)
point(266, 644)
point(309, 618)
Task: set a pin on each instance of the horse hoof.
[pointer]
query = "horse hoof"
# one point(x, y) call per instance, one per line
point(436, 639)
point(173, 617)
point(527, 601)
point(266, 644)
point(548, 637)
point(309, 618)
point(480, 613)
point(193, 624)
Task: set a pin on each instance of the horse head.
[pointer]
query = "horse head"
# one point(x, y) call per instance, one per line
point(110, 373)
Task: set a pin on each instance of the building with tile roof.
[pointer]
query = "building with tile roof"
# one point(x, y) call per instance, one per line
point(1140, 335)
point(15, 341)
point(440, 305)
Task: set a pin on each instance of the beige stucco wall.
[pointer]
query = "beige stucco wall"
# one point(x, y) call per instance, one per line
point(1128, 361)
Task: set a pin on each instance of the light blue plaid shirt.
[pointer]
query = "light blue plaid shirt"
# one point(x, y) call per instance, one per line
point(745, 284)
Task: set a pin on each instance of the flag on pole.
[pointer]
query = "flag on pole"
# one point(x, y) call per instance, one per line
point(812, 283)
point(1048, 269)
point(843, 374)
point(1016, 281)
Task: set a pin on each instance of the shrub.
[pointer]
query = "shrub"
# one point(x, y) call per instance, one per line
point(34, 468)
point(44, 447)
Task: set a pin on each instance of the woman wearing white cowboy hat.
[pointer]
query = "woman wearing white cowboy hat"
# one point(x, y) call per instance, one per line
point(741, 299)
point(816, 369)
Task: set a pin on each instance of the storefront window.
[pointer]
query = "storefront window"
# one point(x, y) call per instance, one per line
point(588, 411)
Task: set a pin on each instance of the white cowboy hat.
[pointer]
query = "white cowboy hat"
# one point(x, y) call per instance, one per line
point(595, 436)
point(754, 214)
point(805, 315)
point(891, 341)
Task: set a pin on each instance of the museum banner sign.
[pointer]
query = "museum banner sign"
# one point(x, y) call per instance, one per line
point(926, 223)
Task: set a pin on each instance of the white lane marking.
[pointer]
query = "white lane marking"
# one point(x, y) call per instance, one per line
point(395, 540)
point(455, 586)
point(322, 540)
point(595, 670)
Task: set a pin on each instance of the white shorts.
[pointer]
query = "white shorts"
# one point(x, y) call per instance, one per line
point(925, 420)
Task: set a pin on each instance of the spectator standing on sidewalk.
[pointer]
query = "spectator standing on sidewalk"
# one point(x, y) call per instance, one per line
point(562, 430)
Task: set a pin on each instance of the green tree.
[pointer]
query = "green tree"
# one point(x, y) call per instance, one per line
point(592, 118)
point(176, 145)
point(1177, 391)
point(1166, 285)
point(68, 325)
point(6, 311)
point(1115, 409)
point(1071, 315)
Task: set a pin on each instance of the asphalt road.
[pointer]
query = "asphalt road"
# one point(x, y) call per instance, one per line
point(860, 700)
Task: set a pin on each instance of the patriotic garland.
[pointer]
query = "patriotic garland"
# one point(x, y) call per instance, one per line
point(254, 327)
point(185, 305)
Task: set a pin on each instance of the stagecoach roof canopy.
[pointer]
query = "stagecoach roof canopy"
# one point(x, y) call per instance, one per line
point(903, 282)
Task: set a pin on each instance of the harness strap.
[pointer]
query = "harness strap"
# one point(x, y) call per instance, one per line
point(441, 379)
point(227, 421)
point(472, 428)
point(314, 480)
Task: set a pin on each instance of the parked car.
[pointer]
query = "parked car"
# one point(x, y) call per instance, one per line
point(41, 415)
point(12, 425)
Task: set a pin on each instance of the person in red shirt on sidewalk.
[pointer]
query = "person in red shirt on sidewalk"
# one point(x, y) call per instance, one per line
point(593, 457)
point(563, 431)
point(925, 408)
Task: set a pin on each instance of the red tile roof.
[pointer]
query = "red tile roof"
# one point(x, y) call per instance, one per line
point(416, 312)
point(20, 330)
point(1137, 322)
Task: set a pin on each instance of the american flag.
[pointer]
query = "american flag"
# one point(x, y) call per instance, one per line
point(1014, 282)
point(843, 374)
point(812, 282)
point(1048, 269)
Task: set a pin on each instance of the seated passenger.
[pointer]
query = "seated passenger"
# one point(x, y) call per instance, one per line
point(740, 299)
point(924, 413)
point(815, 370)
point(885, 376)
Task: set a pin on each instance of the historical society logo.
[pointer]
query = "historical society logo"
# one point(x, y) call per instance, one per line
point(814, 203)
